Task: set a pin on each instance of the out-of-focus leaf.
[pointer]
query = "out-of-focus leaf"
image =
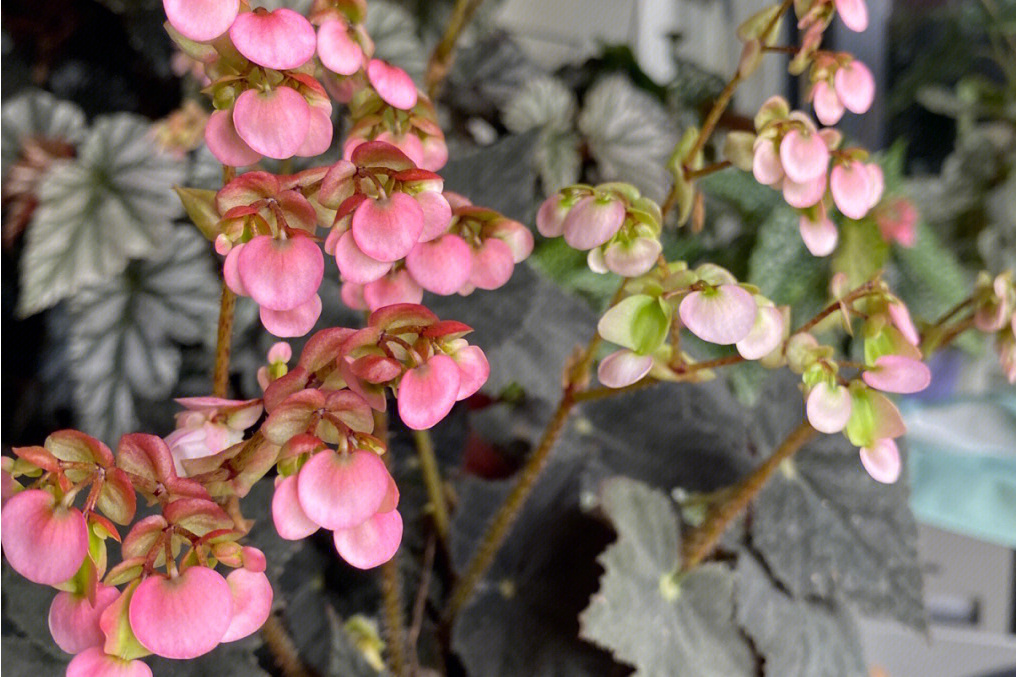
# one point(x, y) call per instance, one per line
point(112, 203)
point(488, 74)
point(568, 267)
point(25, 658)
point(861, 253)
point(644, 614)
point(930, 280)
point(629, 134)
point(797, 638)
point(753, 201)
point(500, 176)
point(38, 114)
point(783, 268)
point(542, 102)
point(123, 343)
point(393, 30)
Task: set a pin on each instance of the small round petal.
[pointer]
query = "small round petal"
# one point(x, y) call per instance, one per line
point(94, 662)
point(281, 274)
point(231, 271)
point(724, 315)
point(437, 214)
point(435, 153)
point(273, 123)
point(201, 20)
point(319, 132)
point(829, 407)
point(828, 107)
point(493, 265)
point(634, 258)
point(352, 295)
point(596, 262)
point(804, 195)
point(372, 543)
point(409, 144)
point(901, 319)
point(622, 368)
point(855, 86)
point(898, 374)
point(550, 218)
point(293, 322)
point(853, 13)
point(280, 351)
point(288, 516)
point(518, 238)
point(388, 228)
point(281, 40)
point(473, 370)
point(392, 289)
point(820, 237)
point(42, 541)
point(766, 165)
point(252, 603)
point(392, 83)
point(338, 51)
point(765, 335)
point(441, 266)
point(391, 500)
point(882, 461)
point(184, 617)
point(877, 183)
point(428, 392)
point(74, 621)
point(591, 222)
point(851, 187)
point(805, 156)
point(339, 491)
point(354, 265)
point(224, 142)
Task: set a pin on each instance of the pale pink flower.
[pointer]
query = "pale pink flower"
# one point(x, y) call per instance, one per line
point(623, 368)
point(882, 460)
point(281, 39)
point(273, 123)
point(252, 603)
point(94, 662)
point(820, 236)
point(853, 13)
point(341, 490)
point(723, 315)
point(371, 543)
point(804, 156)
point(43, 541)
point(898, 374)
point(428, 391)
point(74, 621)
point(394, 288)
point(829, 407)
point(593, 221)
point(337, 49)
point(201, 20)
point(897, 222)
point(851, 186)
point(392, 84)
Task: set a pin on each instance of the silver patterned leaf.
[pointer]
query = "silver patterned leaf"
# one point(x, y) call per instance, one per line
point(38, 114)
point(393, 30)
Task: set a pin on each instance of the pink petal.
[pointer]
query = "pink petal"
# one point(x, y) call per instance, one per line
point(392, 83)
point(877, 183)
point(252, 603)
point(855, 86)
point(201, 20)
point(493, 265)
point(593, 221)
point(853, 13)
point(518, 238)
point(391, 500)
point(441, 266)
point(829, 407)
point(408, 143)
point(828, 107)
point(851, 187)
point(428, 392)
point(281, 40)
point(387, 229)
point(224, 142)
point(74, 621)
point(293, 322)
point(94, 663)
point(765, 165)
point(473, 370)
point(372, 543)
point(392, 289)
point(437, 214)
point(804, 195)
point(900, 317)
point(622, 368)
point(339, 491)
point(273, 123)
point(337, 50)
point(897, 374)
point(435, 153)
point(820, 237)
point(319, 132)
point(231, 271)
point(183, 617)
point(281, 274)
point(289, 518)
point(550, 218)
point(765, 336)
point(724, 315)
point(352, 295)
point(882, 461)
point(805, 156)
point(43, 542)
point(354, 265)
point(634, 258)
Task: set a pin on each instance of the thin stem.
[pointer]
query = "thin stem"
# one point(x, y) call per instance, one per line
point(432, 479)
point(952, 312)
point(282, 648)
point(223, 342)
point(391, 584)
point(699, 543)
point(442, 57)
point(852, 296)
point(781, 49)
point(929, 346)
point(420, 605)
point(707, 170)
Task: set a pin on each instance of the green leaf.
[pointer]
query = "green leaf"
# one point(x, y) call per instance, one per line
point(125, 332)
point(111, 204)
point(797, 638)
point(570, 269)
point(931, 278)
point(38, 114)
point(661, 625)
point(558, 159)
point(782, 267)
point(861, 253)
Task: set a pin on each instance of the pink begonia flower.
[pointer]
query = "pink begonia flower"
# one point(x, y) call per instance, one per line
point(408, 143)
point(493, 265)
point(371, 543)
point(252, 603)
point(319, 131)
point(897, 374)
point(208, 425)
point(765, 336)
point(428, 392)
point(225, 143)
point(632, 258)
point(74, 621)
point(94, 662)
point(723, 315)
point(853, 13)
point(281, 274)
point(437, 214)
point(474, 370)
point(829, 108)
point(339, 491)
point(201, 20)
point(851, 186)
point(550, 218)
point(43, 541)
point(281, 39)
point(441, 266)
point(623, 367)
point(337, 49)
point(352, 295)
point(901, 319)
point(766, 166)
point(394, 288)
point(354, 265)
point(804, 156)
point(392, 84)
point(291, 522)
point(882, 461)
point(273, 123)
point(855, 86)
point(804, 195)
point(593, 221)
point(182, 617)
point(294, 322)
point(435, 153)
point(897, 222)
point(828, 407)
point(388, 228)
point(231, 271)
point(820, 237)
point(518, 238)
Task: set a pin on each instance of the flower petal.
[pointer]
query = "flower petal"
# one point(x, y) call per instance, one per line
point(291, 522)
point(94, 662)
point(338, 51)
point(473, 370)
point(851, 187)
point(437, 214)
point(882, 461)
point(820, 237)
point(493, 264)
point(252, 603)
point(441, 266)
point(392, 83)
point(804, 195)
point(853, 13)
point(632, 258)
point(293, 322)
point(42, 541)
point(281, 274)
point(201, 20)
point(354, 265)
point(724, 315)
point(829, 407)
point(622, 368)
point(898, 374)
point(392, 289)
point(805, 156)
point(372, 543)
point(387, 229)
point(593, 221)
point(765, 165)
point(765, 335)
point(428, 392)
point(828, 107)
point(224, 142)
point(282, 39)
point(74, 621)
point(855, 86)
point(339, 491)
point(273, 123)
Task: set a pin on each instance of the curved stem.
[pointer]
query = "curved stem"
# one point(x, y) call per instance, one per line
point(432, 479)
point(442, 57)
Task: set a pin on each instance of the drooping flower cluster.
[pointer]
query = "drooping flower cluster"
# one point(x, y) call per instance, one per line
point(995, 313)
point(209, 425)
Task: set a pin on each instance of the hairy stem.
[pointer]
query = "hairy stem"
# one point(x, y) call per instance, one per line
point(699, 543)
point(282, 648)
point(442, 57)
point(432, 479)
point(391, 584)
point(223, 342)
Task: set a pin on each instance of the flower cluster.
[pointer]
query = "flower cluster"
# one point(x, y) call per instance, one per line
point(209, 425)
point(617, 226)
point(995, 313)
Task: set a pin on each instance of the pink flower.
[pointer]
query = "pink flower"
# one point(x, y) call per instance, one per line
point(437, 214)
point(293, 322)
point(394, 288)
point(550, 218)
point(820, 236)
point(339, 491)
point(392, 84)
point(225, 143)
point(766, 334)
point(201, 20)
point(281, 39)
point(898, 374)
point(723, 315)
point(493, 264)
point(897, 221)
point(804, 195)
point(804, 156)
point(388, 228)
point(371, 543)
point(766, 165)
point(291, 522)
point(281, 274)
point(94, 662)
point(852, 188)
point(208, 426)
point(473, 368)
point(853, 13)
point(882, 461)
point(593, 221)
point(441, 266)
point(427, 392)
point(273, 123)
point(855, 86)
point(252, 603)
point(828, 407)
point(337, 49)
point(43, 541)
point(74, 621)
point(623, 368)
point(828, 106)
